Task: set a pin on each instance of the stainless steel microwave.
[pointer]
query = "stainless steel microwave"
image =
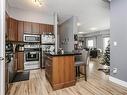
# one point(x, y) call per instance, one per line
point(32, 38)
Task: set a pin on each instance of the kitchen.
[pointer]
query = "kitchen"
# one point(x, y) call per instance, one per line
point(23, 43)
point(43, 42)
point(27, 45)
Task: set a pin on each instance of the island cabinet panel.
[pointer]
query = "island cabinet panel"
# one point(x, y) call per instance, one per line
point(69, 75)
point(61, 71)
point(58, 72)
point(20, 31)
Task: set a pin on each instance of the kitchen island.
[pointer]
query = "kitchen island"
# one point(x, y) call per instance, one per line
point(60, 69)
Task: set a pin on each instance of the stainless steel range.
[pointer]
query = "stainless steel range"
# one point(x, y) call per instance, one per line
point(31, 56)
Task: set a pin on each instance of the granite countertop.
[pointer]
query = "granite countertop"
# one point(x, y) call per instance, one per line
point(61, 54)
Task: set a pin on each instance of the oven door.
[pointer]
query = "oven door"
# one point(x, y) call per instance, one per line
point(32, 56)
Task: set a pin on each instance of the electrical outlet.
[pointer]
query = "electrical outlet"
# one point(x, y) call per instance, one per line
point(114, 70)
point(115, 43)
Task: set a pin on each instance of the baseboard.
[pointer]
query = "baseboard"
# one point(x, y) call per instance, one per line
point(118, 81)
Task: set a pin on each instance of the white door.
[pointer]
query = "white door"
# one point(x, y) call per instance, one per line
point(2, 47)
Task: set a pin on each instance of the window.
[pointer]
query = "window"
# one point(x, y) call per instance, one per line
point(90, 43)
point(105, 42)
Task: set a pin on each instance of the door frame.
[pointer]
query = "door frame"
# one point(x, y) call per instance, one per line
point(2, 47)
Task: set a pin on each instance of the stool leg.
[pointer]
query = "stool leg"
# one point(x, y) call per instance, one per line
point(85, 73)
point(78, 71)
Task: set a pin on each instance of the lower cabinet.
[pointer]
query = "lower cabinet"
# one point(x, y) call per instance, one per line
point(20, 61)
point(15, 61)
point(60, 71)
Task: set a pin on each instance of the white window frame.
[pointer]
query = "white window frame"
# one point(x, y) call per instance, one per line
point(90, 45)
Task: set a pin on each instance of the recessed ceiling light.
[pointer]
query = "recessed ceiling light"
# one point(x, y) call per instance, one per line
point(93, 28)
point(78, 24)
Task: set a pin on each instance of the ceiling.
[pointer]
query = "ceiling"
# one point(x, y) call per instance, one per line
point(90, 13)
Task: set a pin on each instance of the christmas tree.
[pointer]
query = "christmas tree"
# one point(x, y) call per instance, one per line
point(106, 57)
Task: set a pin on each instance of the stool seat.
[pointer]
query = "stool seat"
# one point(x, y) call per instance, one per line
point(79, 63)
point(82, 60)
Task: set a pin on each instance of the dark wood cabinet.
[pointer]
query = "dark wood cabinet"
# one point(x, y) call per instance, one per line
point(35, 28)
point(49, 28)
point(15, 61)
point(45, 28)
point(13, 28)
point(28, 27)
point(20, 31)
point(6, 77)
point(42, 28)
point(20, 61)
point(60, 71)
point(7, 27)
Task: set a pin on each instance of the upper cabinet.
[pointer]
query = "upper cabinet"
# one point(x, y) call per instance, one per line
point(28, 27)
point(7, 26)
point(13, 30)
point(20, 30)
point(49, 28)
point(42, 28)
point(45, 28)
point(35, 28)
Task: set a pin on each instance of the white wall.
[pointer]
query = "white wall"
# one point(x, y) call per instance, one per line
point(30, 16)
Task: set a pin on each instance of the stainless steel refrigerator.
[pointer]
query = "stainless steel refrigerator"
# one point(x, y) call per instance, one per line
point(47, 45)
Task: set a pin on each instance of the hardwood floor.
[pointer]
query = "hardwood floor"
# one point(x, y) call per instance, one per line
point(97, 84)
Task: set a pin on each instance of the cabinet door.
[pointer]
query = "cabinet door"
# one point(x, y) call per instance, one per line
point(42, 28)
point(13, 28)
point(48, 68)
point(7, 27)
point(15, 61)
point(20, 31)
point(58, 70)
point(20, 60)
point(28, 27)
point(69, 70)
point(49, 28)
point(35, 28)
